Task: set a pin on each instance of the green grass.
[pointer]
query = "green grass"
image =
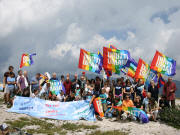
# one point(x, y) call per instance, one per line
point(1, 101)
point(115, 132)
point(76, 127)
point(46, 127)
point(171, 117)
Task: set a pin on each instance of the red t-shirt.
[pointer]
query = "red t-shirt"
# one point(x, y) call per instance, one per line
point(67, 86)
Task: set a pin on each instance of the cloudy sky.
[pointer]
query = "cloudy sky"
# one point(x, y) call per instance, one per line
point(57, 29)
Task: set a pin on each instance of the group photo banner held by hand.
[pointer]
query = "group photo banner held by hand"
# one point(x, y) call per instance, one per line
point(90, 61)
point(52, 109)
point(163, 64)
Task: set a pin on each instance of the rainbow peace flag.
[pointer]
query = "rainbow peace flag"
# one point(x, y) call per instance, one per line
point(142, 70)
point(131, 65)
point(90, 61)
point(132, 70)
point(163, 64)
point(26, 60)
point(114, 59)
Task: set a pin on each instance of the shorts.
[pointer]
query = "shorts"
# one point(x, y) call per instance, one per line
point(9, 90)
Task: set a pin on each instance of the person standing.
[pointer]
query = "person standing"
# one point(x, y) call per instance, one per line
point(62, 78)
point(139, 89)
point(128, 90)
point(21, 83)
point(169, 91)
point(75, 82)
point(35, 82)
point(10, 87)
point(153, 89)
point(54, 77)
point(67, 84)
point(26, 92)
point(118, 89)
point(6, 75)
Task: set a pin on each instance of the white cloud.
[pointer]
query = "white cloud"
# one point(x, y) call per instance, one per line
point(74, 33)
point(22, 13)
point(57, 29)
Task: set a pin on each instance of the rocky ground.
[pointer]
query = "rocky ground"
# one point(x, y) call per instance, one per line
point(132, 128)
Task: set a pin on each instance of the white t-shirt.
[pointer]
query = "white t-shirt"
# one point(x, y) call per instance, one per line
point(25, 80)
point(107, 89)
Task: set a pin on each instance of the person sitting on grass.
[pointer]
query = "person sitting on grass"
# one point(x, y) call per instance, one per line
point(146, 101)
point(103, 97)
point(152, 111)
point(163, 103)
point(110, 103)
point(61, 97)
point(138, 103)
point(117, 103)
point(70, 97)
point(127, 103)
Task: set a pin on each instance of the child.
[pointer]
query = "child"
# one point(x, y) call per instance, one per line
point(89, 95)
point(117, 103)
point(60, 97)
point(103, 97)
point(77, 93)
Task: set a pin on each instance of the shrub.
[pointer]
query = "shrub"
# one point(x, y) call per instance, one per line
point(171, 116)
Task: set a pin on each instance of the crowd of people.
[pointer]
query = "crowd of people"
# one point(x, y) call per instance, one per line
point(113, 93)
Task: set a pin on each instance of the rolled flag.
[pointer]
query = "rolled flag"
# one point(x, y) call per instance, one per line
point(161, 81)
